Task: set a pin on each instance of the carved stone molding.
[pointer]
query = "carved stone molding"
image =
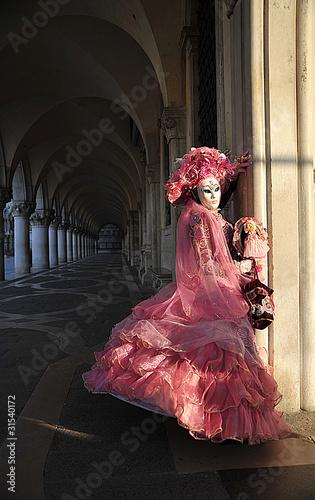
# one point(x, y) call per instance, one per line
point(20, 208)
point(41, 217)
point(55, 222)
point(173, 123)
point(230, 5)
point(189, 39)
point(64, 225)
point(147, 249)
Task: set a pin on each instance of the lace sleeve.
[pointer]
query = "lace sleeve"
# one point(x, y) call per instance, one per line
point(200, 235)
point(201, 239)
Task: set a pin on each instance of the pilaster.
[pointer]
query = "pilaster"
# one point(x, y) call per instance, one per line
point(305, 79)
point(173, 125)
point(152, 250)
point(283, 199)
point(189, 43)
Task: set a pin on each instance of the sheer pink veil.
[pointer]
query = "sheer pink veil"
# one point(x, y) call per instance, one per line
point(207, 280)
point(207, 283)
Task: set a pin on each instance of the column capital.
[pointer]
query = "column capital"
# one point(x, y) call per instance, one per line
point(173, 123)
point(19, 208)
point(55, 222)
point(189, 39)
point(64, 225)
point(71, 227)
point(5, 196)
point(41, 217)
point(143, 156)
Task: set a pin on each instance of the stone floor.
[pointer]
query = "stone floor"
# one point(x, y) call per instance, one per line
point(74, 445)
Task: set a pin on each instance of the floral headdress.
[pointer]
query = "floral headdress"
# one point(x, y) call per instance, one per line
point(197, 165)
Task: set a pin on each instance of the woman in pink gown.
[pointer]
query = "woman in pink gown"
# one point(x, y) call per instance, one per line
point(189, 351)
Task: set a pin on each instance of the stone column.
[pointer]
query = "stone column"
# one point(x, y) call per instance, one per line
point(283, 199)
point(258, 173)
point(53, 242)
point(62, 241)
point(136, 231)
point(86, 245)
point(131, 239)
point(40, 221)
point(189, 42)
point(79, 235)
point(92, 244)
point(306, 128)
point(154, 232)
point(134, 238)
point(139, 206)
point(147, 249)
point(70, 243)
point(143, 163)
point(75, 244)
point(82, 237)
point(142, 207)
point(173, 125)
point(5, 195)
point(127, 241)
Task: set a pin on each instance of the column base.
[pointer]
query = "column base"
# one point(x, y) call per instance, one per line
point(40, 266)
point(22, 270)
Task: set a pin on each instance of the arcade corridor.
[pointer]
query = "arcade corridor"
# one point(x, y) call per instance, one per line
point(98, 100)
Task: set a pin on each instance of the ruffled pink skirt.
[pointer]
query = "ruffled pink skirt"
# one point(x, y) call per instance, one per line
point(207, 374)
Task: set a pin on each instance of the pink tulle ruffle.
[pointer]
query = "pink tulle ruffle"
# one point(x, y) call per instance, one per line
point(214, 391)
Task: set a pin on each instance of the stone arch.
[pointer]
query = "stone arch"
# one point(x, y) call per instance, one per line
point(21, 182)
point(41, 196)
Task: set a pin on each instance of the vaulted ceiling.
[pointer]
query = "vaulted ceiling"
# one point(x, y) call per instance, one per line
point(83, 84)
